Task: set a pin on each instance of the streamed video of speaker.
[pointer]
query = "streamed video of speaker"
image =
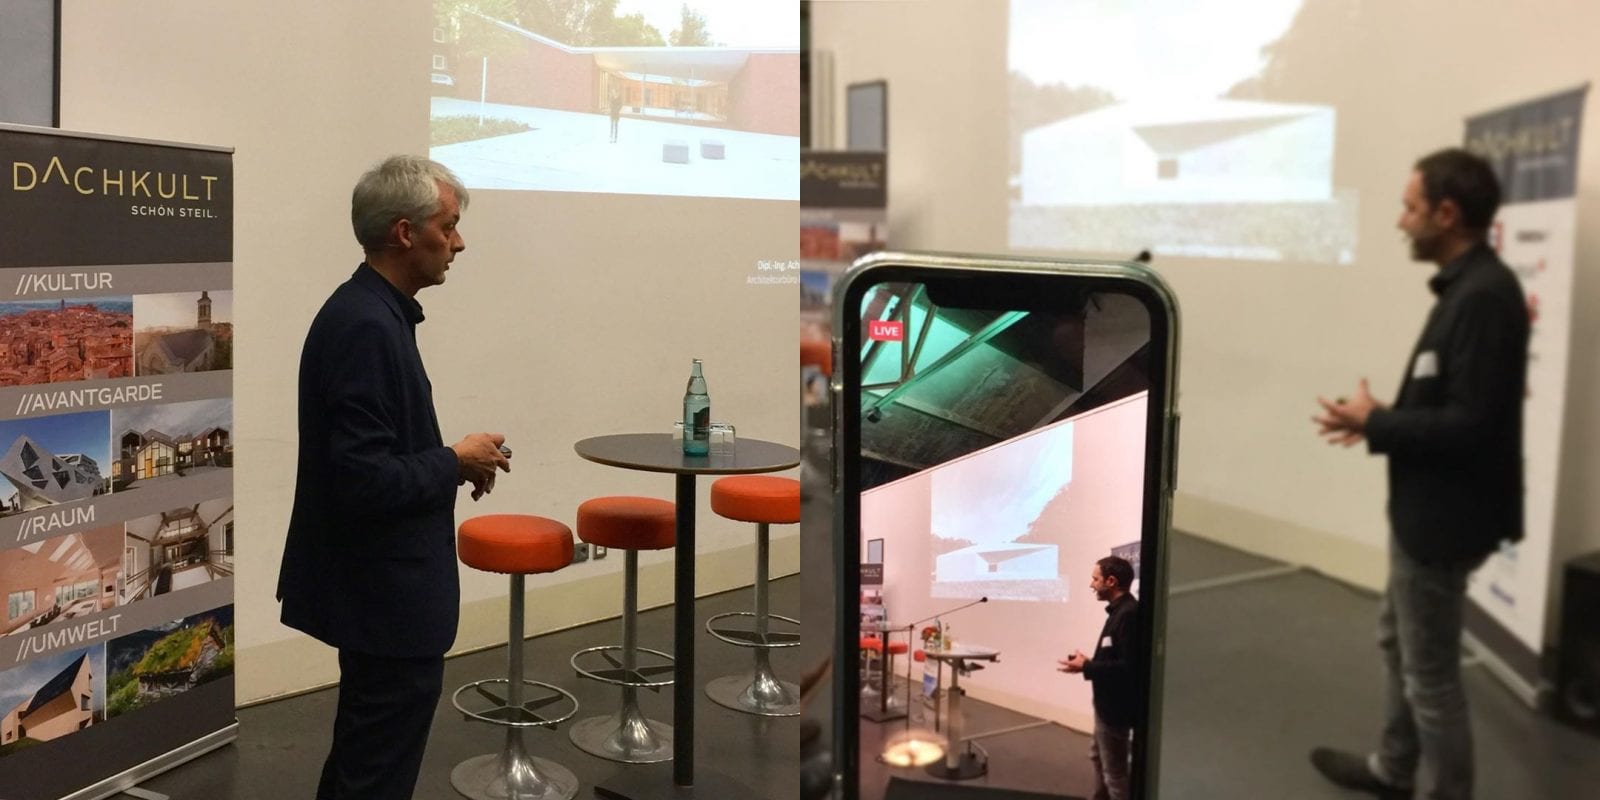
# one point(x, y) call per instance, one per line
point(1003, 476)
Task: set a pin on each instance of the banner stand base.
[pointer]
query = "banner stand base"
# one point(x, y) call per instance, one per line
point(127, 781)
point(145, 794)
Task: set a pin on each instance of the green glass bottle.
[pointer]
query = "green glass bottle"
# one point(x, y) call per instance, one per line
point(696, 415)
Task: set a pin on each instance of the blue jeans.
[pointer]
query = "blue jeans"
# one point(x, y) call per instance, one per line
point(1109, 751)
point(1426, 733)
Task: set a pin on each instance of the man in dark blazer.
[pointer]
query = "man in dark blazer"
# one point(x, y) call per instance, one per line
point(1454, 443)
point(369, 566)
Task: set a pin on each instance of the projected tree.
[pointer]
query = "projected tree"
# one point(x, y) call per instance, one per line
point(578, 23)
point(633, 31)
point(1035, 104)
point(587, 23)
point(692, 30)
point(1309, 62)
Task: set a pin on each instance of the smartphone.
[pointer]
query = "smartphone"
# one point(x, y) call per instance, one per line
point(1005, 434)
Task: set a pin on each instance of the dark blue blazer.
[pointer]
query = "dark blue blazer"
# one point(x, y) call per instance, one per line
point(370, 563)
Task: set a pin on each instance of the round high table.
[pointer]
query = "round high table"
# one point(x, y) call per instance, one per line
point(660, 452)
point(958, 765)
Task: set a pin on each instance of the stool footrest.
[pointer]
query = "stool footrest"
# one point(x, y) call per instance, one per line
point(740, 637)
point(642, 676)
point(502, 712)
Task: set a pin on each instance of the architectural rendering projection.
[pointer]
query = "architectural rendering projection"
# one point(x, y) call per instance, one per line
point(990, 535)
point(162, 442)
point(179, 548)
point(49, 341)
point(51, 697)
point(183, 332)
point(53, 460)
point(1202, 151)
point(60, 579)
point(167, 660)
point(634, 96)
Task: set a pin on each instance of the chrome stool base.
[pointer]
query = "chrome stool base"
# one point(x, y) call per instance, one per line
point(759, 693)
point(630, 738)
point(870, 700)
point(513, 775)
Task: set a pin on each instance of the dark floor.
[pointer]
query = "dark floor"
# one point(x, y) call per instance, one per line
point(281, 744)
point(1260, 671)
point(1044, 758)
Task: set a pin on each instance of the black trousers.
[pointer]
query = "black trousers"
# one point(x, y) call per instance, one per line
point(386, 707)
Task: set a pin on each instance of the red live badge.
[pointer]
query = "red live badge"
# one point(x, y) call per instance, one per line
point(886, 330)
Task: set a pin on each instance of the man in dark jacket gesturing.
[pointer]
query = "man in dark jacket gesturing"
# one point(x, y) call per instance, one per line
point(1454, 443)
point(1114, 672)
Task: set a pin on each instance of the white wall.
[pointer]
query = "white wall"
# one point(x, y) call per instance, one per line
point(567, 316)
point(1262, 340)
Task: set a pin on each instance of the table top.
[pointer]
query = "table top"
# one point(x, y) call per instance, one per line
point(660, 452)
point(965, 652)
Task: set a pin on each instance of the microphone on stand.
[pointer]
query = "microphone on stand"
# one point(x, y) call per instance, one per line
point(911, 633)
point(983, 599)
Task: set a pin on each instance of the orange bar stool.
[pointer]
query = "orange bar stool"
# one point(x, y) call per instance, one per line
point(516, 545)
point(885, 704)
point(629, 524)
point(764, 500)
point(870, 664)
point(817, 353)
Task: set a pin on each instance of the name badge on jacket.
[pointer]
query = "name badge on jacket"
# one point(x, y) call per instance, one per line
point(1426, 365)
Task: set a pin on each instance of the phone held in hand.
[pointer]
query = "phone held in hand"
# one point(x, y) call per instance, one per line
point(1005, 437)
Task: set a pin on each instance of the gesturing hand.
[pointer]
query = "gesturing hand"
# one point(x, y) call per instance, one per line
point(479, 456)
point(1344, 422)
point(1073, 663)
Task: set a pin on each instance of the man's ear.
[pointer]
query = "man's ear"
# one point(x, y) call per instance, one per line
point(402, 234)
point(1447, 214)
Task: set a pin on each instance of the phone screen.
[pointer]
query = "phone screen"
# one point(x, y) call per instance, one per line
point(1004, 495)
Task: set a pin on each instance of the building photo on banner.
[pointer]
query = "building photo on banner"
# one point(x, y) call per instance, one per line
point(116, 421)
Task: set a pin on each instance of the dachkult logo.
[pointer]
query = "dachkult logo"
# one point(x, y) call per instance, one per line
point(151, 193)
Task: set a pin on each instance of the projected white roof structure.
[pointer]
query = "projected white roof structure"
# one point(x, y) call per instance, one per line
point(700, 63)
point(1211, 151)
point(999, 561)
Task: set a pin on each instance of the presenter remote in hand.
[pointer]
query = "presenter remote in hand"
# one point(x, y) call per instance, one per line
point(369, 566)
point(480, 456)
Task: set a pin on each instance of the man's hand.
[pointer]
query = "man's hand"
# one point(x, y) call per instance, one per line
point(1344, 422)
point(479, 455)
point(1073, 663)
point(481, 489)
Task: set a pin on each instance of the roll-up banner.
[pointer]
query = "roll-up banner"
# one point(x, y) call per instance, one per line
point(844, 215)
point(116, 460)
point(1533, 146)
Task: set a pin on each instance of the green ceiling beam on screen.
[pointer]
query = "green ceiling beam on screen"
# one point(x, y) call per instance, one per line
point(973, 342)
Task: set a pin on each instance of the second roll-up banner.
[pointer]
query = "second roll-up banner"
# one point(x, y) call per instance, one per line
point(116, 454)
point(1534, 148)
